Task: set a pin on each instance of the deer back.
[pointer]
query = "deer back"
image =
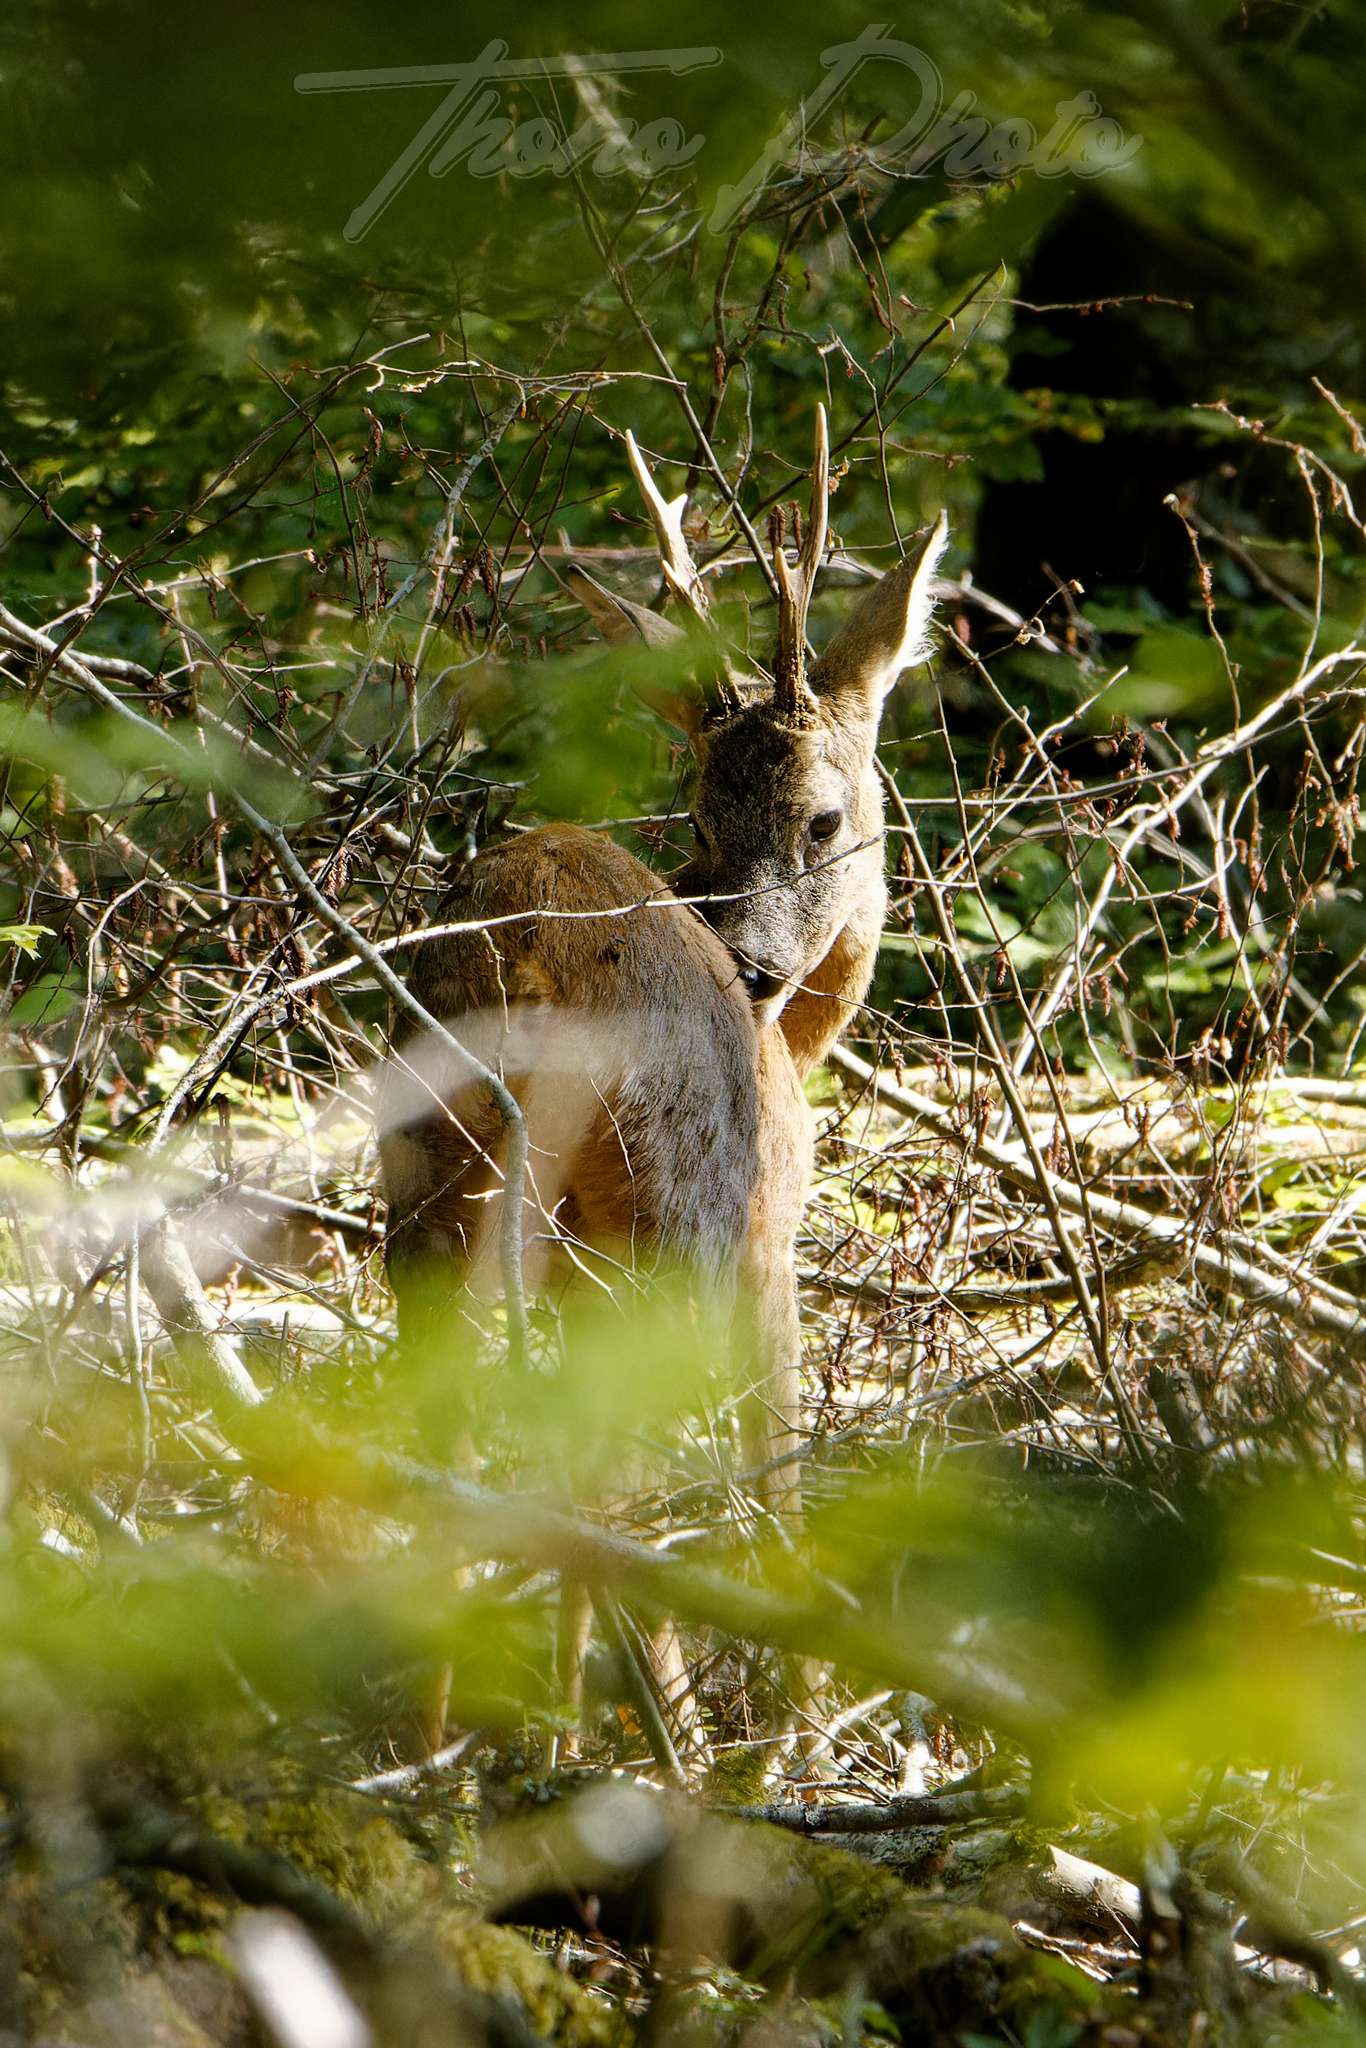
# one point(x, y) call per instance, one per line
point(619, 1020)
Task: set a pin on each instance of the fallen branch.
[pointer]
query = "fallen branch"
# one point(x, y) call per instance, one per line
point(878, 1817)
point(978, 1298)
point(170, 1278)
point(1091, 1893)
point(1302, 1296)
point(1088, 1892)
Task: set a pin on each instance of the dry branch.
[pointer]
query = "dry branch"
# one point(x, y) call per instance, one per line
point(1300, 1294)
point(927, 1810)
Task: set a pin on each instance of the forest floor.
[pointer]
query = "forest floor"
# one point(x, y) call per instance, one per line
point(971, 1877)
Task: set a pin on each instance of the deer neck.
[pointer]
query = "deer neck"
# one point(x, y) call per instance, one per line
point(820, 1010)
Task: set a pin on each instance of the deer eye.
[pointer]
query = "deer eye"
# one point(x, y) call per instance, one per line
point(825, 825)
point(698, 834)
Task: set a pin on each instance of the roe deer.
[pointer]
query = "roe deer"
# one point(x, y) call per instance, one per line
point(658, 1050)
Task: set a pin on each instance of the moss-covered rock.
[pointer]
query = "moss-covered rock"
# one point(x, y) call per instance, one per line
point(736, 1777)
point(144, 2010)
point(506, 1965)
point(932, 1962)
point(358, 1854)
point(797, 1916)
point(142, 1952)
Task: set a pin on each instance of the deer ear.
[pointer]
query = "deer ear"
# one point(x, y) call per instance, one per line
point(680, 703)
point(616, 618)
point(888, 631)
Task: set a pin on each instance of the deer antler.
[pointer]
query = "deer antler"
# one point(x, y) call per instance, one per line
point(793, 700)
point(680, 572)
point(666, 517)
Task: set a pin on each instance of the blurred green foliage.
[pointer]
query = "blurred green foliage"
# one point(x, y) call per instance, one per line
point(1137, 394)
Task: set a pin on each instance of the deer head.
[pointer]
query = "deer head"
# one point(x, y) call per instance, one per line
point(787, 806)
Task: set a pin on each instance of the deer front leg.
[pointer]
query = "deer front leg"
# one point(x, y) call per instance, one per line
point(770, 1420)
point(771, 1325)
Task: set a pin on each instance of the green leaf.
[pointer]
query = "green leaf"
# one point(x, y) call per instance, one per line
point(45, 1001)
point(24, 937)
